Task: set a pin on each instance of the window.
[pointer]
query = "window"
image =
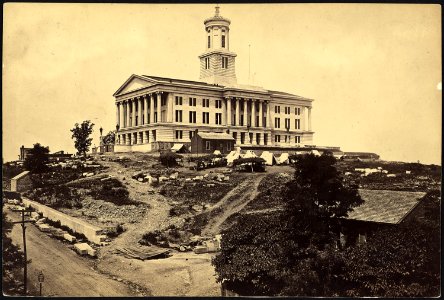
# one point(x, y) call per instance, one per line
point(265, 138)
point(287, 123)
point(285, 139)
point(207, 145)
point(207, 62)
point(218, 103)
point(155, 117)
point(206, 118)
point(277, 123)
point(206, 102)
point(209, 41)
point(277, 138)
point(235, 136)
point(297, 124)
point(218, 119)
point(192, 101)
point(229, 146)
point(191, 134)
point(163, 102)
point(277, 109)
point(223, 41)
point(178, 100)
point(224, 62)
point(178, 116)
point(192, 117)
point(154, 135)
point(297, 139)
point(287, 110)
point(178, 134)
point(241, 120)
point(297, 111)
point(137, 120)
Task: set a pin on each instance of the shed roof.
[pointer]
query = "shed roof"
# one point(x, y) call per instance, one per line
point(215, 136)
point(384, 206)
point(22, 174)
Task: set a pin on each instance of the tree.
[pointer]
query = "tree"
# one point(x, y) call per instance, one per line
point(80, 134)
point(12, 260)
point(290, 252)
point(110, 138)
point(37, 159)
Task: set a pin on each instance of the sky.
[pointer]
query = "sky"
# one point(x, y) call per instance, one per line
point(373, 70)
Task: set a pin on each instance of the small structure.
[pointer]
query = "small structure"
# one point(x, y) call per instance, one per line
point(380, 208)
point(179, 148)
point(232, 156)
point(208, 142)
point(269, 158)
point(21, 182)
point(283, 159)
point(249, 154)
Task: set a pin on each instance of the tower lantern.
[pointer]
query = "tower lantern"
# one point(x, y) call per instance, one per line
point(217, 63)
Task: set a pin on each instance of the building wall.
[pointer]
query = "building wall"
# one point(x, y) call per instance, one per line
point(21, 182)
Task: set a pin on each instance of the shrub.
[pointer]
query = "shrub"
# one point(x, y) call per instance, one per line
point(169, 159)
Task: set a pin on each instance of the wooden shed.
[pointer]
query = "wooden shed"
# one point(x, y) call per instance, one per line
point(208, 142)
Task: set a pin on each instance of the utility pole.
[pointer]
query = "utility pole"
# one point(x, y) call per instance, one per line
point(25, 266)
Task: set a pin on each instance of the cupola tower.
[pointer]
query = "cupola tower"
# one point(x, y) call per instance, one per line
point(217, 62)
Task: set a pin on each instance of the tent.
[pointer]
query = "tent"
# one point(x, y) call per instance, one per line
point(231, 157)
point(249, 154)
point(216, 152)
point(315, 152)
point(269, 158)
point(179, 148)
point(283, 159)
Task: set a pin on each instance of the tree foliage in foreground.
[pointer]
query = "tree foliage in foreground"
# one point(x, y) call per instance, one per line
point(37, 159)
point(110, 138)
point(80, 134)
point(293, 253)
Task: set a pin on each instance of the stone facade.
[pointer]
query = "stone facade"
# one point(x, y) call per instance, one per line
point(154, 111)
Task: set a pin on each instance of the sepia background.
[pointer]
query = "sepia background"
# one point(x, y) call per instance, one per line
point(374, 70)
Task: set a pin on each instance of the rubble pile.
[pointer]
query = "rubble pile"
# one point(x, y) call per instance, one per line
point(106, 211)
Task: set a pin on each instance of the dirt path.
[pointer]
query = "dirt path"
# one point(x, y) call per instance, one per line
point(233, 202)
point(66, 273)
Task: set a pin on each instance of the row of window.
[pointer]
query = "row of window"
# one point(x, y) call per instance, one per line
point(287, 109)
point(224, 62)
point(287, 139)
point(277, 123)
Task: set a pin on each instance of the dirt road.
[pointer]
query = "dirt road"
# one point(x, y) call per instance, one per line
point(233, 202)
point(66, 273)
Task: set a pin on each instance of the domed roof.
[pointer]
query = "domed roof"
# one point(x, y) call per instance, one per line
point(217, 17)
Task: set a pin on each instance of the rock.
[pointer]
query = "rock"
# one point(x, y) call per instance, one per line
point(140, 179)
point(206, 175)
point(198, 178)
point(188, 179)
point(226, 178)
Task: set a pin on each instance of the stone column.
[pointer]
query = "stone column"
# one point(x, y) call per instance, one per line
point(302, 119)
point(159, 107)
point(151, 108)
point(237, 121)
point(133, 123)
point(118, 113)
point(139, 101)
point(245, 112)
point(170, 107)
point(269, 116)
point(224, 112)
point(261, 114)
point(309, 118)
point(128, 113)
point(147, 103)
point(228, 111)
point(253, 113)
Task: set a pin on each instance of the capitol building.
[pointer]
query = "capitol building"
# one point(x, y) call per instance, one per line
point(154, 113)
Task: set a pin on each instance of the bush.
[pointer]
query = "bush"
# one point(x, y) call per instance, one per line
point(113, 191)
point(169, 159)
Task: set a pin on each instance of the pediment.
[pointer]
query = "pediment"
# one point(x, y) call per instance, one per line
point(135, 82)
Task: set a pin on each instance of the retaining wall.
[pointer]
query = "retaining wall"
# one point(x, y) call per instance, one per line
point(92, 233)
